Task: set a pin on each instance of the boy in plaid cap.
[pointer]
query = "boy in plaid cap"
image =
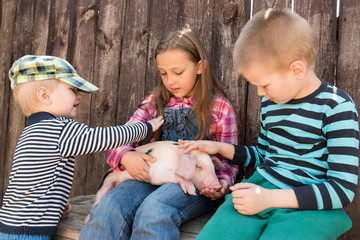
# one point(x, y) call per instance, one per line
point(48, 90)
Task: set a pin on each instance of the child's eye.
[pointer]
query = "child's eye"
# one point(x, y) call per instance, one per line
point(75, 90)
point(178, 73)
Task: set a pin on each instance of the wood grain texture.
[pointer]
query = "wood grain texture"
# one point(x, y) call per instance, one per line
point(7, 28)
point(348, 79)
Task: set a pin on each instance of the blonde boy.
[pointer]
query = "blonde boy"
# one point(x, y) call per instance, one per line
point(48, 90)
point(306, 158)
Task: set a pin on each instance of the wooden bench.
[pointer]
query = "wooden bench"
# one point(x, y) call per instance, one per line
point(69, 229)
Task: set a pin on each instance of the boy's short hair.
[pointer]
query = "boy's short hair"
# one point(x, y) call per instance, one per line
point(25, 94)
point(275, 38)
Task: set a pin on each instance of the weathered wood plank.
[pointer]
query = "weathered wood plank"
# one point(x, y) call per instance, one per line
point(84, 40)
point(104, 102)
point(229, 19)
point(348, 79)
point(60, 28)
point(7, 28)
point(134, 57)
point(322, 17)
point(41, 28)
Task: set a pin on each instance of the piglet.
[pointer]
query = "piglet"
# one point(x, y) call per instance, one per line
point(190, 171)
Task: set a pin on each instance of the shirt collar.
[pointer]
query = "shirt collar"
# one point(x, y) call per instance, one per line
point(180, 101)
point(39, 116)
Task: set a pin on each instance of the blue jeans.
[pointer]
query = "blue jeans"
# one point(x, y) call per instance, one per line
point(4, 236)
point(143, 211)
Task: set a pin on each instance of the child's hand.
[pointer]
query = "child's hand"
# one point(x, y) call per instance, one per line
point(209, 147)
point(135, 163)
point(250, 199)
point(67, 211)
point(156, 123)
point(214, 194)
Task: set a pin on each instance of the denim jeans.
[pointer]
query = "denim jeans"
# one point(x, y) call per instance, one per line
point(4, 236)
point(143, 211)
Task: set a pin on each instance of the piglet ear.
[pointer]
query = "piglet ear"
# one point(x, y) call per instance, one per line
point(217, 163)
point(186, 166)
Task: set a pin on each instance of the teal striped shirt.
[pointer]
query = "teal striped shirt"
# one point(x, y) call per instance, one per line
point(310, 145)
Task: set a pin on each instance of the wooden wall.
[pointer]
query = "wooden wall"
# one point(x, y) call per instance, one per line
point(111, 43)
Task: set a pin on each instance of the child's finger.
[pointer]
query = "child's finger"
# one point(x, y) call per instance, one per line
point(148, 158)
point(240, 186)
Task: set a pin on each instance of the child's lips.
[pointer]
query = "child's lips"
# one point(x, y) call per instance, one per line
point(76, 105)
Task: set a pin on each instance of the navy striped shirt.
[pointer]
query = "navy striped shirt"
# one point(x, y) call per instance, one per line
point(43, 167)
point(310, 145)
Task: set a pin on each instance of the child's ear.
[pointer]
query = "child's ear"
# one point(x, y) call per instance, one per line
point(298, 69)
point(199, 67)
point(43, 95)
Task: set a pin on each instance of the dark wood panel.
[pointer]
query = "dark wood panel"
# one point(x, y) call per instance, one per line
point(322, 17)
point(348, 79)
point(110, 27)
point(230, 17)
point(7, 28)
point(82, 58)
point(134, 57)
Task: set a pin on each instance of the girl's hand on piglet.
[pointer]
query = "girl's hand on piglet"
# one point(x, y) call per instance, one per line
point(136, 164)
point(209, 147)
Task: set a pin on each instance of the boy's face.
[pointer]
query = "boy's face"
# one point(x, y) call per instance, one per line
point(278, 86)
point(65, 99)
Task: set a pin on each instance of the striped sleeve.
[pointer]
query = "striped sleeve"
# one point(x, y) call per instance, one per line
point(251, 156)
point(79, 139)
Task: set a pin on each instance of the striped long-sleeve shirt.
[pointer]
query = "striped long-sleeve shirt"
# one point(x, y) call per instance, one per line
point(223, 128)
point(43, 166)
point(310, 145)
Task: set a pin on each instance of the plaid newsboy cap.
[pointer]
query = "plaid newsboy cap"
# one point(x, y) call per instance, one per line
point(34, 68)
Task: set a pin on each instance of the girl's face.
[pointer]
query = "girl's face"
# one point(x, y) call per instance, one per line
point(178, 73)
point(65, 99)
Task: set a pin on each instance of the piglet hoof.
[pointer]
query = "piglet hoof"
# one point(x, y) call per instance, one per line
point(188, 187)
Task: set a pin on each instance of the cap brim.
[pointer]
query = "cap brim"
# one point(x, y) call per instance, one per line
point(79, 83)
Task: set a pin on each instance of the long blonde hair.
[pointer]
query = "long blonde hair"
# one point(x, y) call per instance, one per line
point(205, 87)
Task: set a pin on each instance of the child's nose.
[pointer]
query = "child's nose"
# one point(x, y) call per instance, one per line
point(171, 80)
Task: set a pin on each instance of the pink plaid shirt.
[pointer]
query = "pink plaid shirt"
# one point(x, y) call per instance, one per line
point(222, 129)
